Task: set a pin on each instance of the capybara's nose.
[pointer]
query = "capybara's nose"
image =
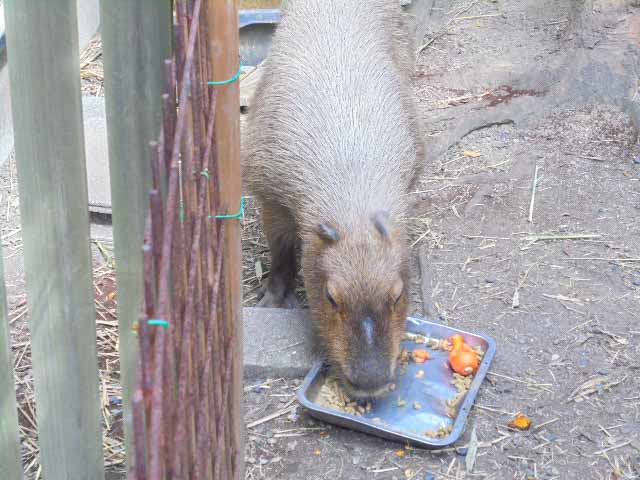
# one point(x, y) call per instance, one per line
point(370, 373)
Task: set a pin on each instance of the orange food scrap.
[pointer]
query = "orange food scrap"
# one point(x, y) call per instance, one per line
point(400, 453)
point(521, 422)
point(462, 358)
point(419, 355)
point(317, 452)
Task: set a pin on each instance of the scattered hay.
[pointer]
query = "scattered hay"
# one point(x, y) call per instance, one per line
point(91, 68)
point(110, 389)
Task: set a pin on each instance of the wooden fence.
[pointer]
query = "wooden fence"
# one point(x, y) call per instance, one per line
point(188, 325)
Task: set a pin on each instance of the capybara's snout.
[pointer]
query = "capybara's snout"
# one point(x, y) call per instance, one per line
point(369, 374)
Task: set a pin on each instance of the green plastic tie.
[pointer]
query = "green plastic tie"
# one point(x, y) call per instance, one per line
point(238, 216)
point(205, 173)
point(158, 323)
point(230, 80)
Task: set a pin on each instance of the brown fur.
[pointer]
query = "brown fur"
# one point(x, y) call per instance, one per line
point(332, 148)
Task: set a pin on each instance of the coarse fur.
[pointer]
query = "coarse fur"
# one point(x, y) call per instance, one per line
point(333, 146)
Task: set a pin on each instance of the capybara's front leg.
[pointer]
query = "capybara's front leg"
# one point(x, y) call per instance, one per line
point(280, 228)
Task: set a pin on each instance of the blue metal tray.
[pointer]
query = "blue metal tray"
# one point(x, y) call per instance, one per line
point(406, 424)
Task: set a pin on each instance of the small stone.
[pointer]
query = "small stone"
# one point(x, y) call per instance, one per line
point(603, 371)
point(555, 357)
point(636, 282)
point(556, 341)
point(355, 460)
point(491, 279)
point(250, 460)
point(462, 451)
point(636, 160)
point(294, 416)
point(263, 461)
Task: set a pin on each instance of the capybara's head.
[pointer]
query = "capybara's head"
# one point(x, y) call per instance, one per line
point(357, 291)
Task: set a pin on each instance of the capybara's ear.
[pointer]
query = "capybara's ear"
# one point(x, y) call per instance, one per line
point(327, 233)
point(381, 222)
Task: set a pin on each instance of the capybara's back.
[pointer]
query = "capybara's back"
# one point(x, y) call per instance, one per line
point(332, 148)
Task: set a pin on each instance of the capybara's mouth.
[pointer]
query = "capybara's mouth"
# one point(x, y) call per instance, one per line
point(361, 394)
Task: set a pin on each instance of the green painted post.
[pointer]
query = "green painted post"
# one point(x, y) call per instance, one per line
point(136, 39)
point(10, 462)
point(42, 41)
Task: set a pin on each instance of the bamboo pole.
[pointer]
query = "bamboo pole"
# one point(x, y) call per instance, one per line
point(224, 50)
point(47, 117)
point(10, 464)
point(136, 37)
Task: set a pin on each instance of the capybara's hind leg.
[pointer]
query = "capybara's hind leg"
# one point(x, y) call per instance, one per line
point(280, 228)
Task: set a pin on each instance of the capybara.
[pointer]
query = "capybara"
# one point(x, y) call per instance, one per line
point(333, 147)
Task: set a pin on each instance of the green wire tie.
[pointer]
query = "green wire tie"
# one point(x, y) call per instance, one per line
point(230, 80)
point(158, 323)
point(205, 173)
point(135, 328)
point(238, 216)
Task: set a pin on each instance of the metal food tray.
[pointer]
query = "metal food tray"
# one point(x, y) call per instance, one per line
point(406, 424)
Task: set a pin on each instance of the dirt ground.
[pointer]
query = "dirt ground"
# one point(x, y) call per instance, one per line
point(508, 88)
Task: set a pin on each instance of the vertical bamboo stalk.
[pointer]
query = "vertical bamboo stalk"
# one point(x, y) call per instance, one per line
point(47, 116)
point(10, 464)
point(136, 40)
point(224, 50)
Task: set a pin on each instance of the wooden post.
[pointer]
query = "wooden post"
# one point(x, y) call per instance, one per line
point(224, 43)
point(10, 461)
point(42, 44)
point(136, 39)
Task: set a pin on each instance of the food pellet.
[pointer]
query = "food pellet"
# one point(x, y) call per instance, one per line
point(402, 403)
point(417, 406)
point(420, 374)
point(332, 396)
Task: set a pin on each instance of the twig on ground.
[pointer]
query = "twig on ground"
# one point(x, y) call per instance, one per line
point(534, 187)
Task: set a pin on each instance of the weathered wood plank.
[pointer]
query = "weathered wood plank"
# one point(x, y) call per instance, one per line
point(10, 464)
point(224, 37)
point(47, 117)
point(136, 38)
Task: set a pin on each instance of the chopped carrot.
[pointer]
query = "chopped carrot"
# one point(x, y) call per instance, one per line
point(419, 355)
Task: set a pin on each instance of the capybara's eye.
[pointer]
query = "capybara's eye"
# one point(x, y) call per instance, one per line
point(334, 304)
